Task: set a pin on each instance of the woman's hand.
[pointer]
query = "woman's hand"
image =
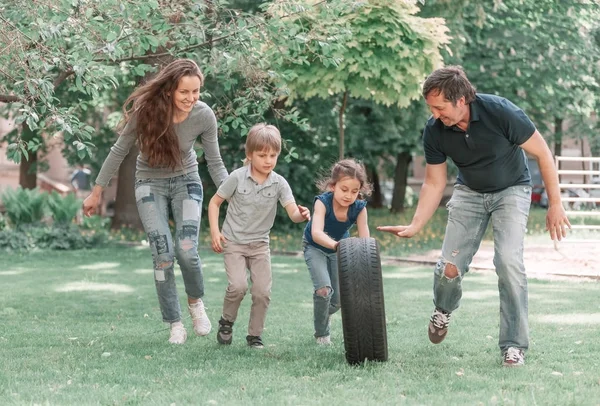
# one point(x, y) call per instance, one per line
point(90, 204)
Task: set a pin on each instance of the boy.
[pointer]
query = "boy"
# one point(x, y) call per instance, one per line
point(252, 192)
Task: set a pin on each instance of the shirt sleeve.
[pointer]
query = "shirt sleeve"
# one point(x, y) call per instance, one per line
point(228, 187)
point(210, 145)
point(518, 128)
point(285, 192)
point(433, 152)
point(358, 206)
point(117, 154)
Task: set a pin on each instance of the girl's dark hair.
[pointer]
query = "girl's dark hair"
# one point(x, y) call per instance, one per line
point(346, 168)
point(450, 81)
point(152, 106)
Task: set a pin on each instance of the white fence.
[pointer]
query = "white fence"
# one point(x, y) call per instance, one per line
point(581, 199)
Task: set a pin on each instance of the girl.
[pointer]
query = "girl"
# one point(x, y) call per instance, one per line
point(165, 120)
point(335, 211)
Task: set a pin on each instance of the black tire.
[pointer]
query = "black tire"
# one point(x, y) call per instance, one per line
point(361, 297)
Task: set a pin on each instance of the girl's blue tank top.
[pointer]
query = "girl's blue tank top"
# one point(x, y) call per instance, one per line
point(334, 228)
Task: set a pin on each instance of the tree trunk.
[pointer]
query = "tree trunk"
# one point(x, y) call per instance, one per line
point(28, 167)
point(558, 134)
point(403, 160)
point(341, 123)
point(126, 213)
point(376, 200)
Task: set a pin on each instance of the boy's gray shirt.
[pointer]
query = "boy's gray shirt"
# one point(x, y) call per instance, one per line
point(252, 207)
point(200, 122)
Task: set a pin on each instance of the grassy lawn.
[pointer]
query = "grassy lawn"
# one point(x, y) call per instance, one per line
point(84, 327)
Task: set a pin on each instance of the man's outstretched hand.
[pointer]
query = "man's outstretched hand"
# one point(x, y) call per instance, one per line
point(400, 231)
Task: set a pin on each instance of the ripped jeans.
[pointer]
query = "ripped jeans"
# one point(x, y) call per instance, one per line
point(469, 213)
point(182, 196)
point(323, 269)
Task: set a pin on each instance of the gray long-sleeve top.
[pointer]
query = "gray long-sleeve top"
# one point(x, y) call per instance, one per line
point(200, 122)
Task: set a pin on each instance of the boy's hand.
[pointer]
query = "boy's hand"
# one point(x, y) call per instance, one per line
point(217, 241)
point(304, 212)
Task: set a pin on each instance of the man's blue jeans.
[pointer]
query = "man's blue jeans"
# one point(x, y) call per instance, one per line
point(182, 196)
point(469, 213)
point(323, 268)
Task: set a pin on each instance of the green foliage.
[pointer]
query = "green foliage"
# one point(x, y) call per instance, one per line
point(384, 53)
point(24, 206)
point(63, 208)
point(95, 223)
point(57, 237)
point(541, 54)
point(13, 240)
point(91, 49)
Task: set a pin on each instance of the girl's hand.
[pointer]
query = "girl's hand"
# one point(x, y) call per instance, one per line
point(304, 212)
point(217, 241)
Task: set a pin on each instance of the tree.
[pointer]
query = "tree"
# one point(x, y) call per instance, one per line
point(385, 53)
point(89, 50)
point(541, 54)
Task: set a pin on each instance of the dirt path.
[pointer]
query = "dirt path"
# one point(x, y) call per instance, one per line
point(542, 260)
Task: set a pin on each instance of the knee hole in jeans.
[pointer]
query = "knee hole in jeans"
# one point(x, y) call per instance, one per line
point(450, 271)
point(323, 292)
point(160, 270)
point(164, 265)
point(186, 244)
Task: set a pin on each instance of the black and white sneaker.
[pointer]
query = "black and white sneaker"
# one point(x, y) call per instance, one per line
point(513, 357)
point(255, 341)
point(225, 333)
point(438, 325)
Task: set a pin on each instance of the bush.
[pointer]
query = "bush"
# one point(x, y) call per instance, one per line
point(63, 209)
point(24, 206)
point(95, 223)
point(13, 240)
point(58, 237)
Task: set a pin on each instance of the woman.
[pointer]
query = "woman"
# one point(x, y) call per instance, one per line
point(165, 119)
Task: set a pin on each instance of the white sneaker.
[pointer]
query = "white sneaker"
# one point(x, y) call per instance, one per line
point(513, 357)
point(178, 334)
point(325, 340)
point(202, 324)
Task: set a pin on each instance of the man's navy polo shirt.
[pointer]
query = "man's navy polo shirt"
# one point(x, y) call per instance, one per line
point(487, 155)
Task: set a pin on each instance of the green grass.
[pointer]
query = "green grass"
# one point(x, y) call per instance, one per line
point(84, 327)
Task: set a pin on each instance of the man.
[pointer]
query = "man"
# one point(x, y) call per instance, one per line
point(486, 136)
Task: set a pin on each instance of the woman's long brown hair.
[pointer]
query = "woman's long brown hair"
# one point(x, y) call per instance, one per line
point(152, 106)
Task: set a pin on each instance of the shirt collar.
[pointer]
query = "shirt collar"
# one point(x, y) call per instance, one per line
point(473, 116)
